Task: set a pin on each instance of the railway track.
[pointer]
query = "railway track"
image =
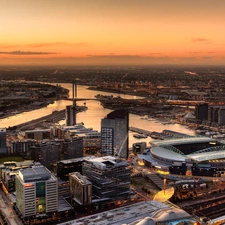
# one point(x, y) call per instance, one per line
point(211, 208)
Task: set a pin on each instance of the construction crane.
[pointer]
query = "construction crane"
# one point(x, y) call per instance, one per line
point(117, 152)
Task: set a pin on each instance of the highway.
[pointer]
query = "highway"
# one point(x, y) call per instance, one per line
point(56, 116)
point(8, 211)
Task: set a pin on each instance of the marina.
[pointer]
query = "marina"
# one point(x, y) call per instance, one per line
point(140, 136)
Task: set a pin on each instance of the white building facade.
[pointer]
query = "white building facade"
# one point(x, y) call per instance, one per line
point(36, 191)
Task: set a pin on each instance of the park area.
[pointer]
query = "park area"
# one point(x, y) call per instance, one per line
point(11, 159)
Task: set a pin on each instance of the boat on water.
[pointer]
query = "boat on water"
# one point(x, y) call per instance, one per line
point(167, 123)
point(218, 136)
point(144, 117)
point(140, 136)
point(15, 112)
point(199, 131)
point(211, 133)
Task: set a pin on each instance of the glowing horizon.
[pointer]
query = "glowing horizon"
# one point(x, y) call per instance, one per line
point(101, 32)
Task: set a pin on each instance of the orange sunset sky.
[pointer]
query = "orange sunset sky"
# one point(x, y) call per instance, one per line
point(112, 31)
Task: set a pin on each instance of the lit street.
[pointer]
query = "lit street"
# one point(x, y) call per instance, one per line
point(8, 211)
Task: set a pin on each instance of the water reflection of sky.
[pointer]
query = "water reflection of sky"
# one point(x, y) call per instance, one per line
point(92, 117)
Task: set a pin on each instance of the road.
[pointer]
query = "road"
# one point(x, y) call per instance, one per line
point(8, 211)
point(56, 116)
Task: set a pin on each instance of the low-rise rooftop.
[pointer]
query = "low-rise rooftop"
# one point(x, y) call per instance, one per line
point(137, 213)
point(74, 160)
point(83, 180)
point(107, 161)
point(35, 173)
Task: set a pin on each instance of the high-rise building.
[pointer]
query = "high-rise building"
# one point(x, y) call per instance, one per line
point(9, 171)
point(201, 111)
point(70, 115)
point(213, 115)
point(37, 134)
point(3, 148)
point(109, 175)
point(47, 153)
point(80, 189)
point(114, 134)
point(22, 147)
point(64, 167)
point(210, 113)
point(221, 116)
point(139, 147)
point(36, 191)
point(73, 148)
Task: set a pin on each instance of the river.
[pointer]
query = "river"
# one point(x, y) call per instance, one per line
point(92, 117)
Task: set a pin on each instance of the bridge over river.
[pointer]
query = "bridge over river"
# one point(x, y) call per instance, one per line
point(16, 98)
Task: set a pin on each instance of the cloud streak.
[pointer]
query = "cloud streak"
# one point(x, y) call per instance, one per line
point(154, 53)
point(4, 46)
point(43, 45)
point(201, 40)
point(49, 44)
point(201, 52)
point(26, 53)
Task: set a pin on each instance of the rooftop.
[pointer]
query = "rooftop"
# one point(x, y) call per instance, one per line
point(63, 205)
point(107, 161)
point(35, 173)
point(68, 161)
point(194, 92)
point(188, 140)
point(2, 129)
point(168, 154)
point(134, 214)
point(36, 131)
point(83, 180)
point(148, 158)
point(103, 159)
point(167, 149)
point(205, 156)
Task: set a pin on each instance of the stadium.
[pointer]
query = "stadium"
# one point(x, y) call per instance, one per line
point(196, 156)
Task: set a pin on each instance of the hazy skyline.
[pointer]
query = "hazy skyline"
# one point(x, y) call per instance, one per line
point(111, 32)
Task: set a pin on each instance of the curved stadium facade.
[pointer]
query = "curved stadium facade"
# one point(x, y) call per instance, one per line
point(197, 156)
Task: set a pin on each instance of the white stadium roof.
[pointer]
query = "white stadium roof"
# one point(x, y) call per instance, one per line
point(186, 140)
point(205, 156)
point(167, 149)
point(168, 154)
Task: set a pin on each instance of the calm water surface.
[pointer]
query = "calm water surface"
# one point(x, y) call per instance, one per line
point(92, 117)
